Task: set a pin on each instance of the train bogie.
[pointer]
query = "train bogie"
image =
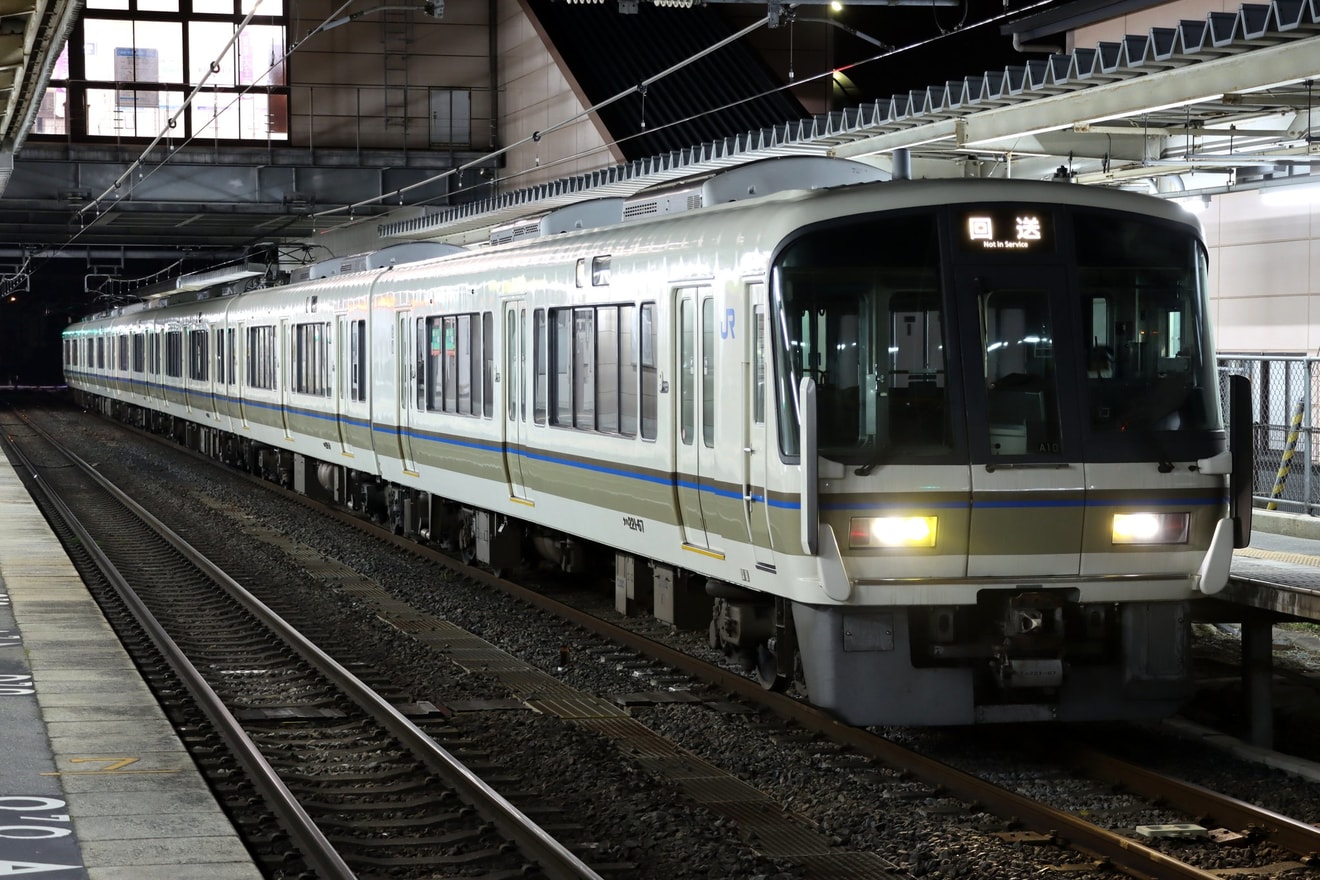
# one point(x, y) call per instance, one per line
point(863, 437)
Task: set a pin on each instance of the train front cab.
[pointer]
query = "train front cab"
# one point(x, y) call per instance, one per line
point(1006, 527)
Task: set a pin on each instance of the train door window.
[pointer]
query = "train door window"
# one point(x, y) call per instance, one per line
point(123, 353)
point(511, 345)
point(708, 372)
point(629, 378)
point(607, 370)
point(153, 353)
point(540, 365)
point(229, 356)
point(100, 352)
point(220, 356)
point(427, 356)
point(649, 381)
point(486, 375)
point(1021, 387)
point(687, 366)
point(357, 371)
point(758, 365)
point(139, 352)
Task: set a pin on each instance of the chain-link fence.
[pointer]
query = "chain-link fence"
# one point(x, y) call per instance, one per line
point(1286, 393)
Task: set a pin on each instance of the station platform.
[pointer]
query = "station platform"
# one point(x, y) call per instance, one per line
point(93, 781)
point(1280, 571)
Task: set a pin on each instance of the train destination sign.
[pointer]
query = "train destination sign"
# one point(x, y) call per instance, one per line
point(1024, 230)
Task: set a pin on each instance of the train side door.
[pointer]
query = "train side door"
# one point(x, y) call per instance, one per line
point(410, 349)
point(1028, 487)
point(344, 386)
point(284, 368)
point(756, 464)
point(517, 384)
point(694, 421)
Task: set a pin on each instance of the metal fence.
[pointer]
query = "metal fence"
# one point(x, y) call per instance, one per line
point(1286, 393)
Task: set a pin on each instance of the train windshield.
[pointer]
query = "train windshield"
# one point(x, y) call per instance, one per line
point(1091, 342)
point(861, 313)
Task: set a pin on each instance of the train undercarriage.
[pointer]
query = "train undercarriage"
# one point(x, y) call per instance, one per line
point(1014, 655)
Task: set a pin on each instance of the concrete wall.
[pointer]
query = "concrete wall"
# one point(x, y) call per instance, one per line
point(536, 94)
point(1264, 274)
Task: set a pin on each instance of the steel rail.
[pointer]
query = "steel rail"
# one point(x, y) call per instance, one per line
point(1290, 834)
point(313, 845)
point(556, 860)
point(1124, 854)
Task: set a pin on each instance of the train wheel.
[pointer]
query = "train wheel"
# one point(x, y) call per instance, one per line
point(767, 669)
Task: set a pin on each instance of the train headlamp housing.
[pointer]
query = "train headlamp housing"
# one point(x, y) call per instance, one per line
point(1151, 528)
point(892, 531)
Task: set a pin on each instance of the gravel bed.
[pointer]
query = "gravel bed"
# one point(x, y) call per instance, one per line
point(636, 818)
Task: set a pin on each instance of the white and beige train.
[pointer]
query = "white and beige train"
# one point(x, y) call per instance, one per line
point(944, 452)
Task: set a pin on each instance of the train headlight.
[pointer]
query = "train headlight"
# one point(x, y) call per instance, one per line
point(1151, 528)
point(892, 531)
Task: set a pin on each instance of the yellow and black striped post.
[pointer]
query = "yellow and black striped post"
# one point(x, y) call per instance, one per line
point(1285, 464)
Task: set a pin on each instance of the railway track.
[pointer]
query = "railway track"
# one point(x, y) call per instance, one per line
point(360, 789)
point(1023, 818)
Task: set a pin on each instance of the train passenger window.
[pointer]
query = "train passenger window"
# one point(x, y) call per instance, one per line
point(454, 363)
point(174, 354)
point(607, 370)
point(311, 359)
point(198, 358)
point(561, 355)
point(650, 391)
point(629, 381)
point(261, 357)
point(540, 365)
point(584, 368)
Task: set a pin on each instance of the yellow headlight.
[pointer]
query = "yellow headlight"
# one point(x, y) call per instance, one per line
point(892, 531)
point(1151, 528)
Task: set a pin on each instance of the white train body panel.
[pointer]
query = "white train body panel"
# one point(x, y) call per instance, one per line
point(637, 387)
